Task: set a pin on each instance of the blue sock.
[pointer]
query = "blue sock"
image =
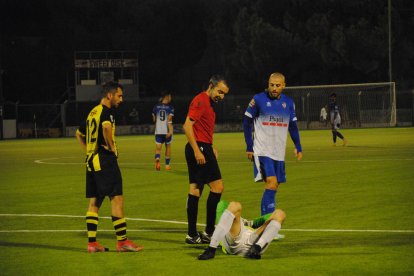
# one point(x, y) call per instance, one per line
point(167, 161)
point(157, 156)
point(268, 202)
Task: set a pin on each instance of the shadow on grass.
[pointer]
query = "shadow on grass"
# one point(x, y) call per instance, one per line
point(170, 238)
point(362, 146)
point(41, 246)
point(352, 244)
point(145, 168)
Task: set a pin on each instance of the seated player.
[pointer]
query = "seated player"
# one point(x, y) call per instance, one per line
point(237, 239)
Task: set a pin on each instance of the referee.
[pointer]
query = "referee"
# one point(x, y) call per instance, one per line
point(201, 158)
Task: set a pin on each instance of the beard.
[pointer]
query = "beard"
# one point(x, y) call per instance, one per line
point(274, 94)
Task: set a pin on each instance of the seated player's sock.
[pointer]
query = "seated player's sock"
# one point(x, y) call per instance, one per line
point(92, 225)
point(192, 212)
point(257, 222)
point(268, 202)
point(222, 228)
point(120, 228)
point(272, 229)
point(221, 207)
point(212, 201)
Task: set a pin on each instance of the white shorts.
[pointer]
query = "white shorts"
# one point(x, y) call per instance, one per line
point(241, 244)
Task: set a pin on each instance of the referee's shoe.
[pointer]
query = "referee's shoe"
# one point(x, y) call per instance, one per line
point(205, 238)
point(193, 240)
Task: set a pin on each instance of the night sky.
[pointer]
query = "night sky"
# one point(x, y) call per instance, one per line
point(181, 43)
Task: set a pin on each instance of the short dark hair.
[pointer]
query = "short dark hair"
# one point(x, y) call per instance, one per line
point(110, 87)
point(333, 95)
point(215, 79)
point(165, 93)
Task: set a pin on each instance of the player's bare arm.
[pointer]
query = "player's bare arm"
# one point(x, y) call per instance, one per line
point(189, 132)
point(81, 138)
point(215, 151)
point(107, 134)
point(250, 155)
point(170, 127)
point(298, 155)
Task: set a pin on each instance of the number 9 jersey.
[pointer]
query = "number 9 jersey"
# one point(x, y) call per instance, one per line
point(162, 112)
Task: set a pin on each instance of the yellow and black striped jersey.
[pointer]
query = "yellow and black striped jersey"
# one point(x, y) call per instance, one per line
point(92, 130)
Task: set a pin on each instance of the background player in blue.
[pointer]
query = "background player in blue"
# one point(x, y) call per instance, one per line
point(162, 115)
point(335, 117)
point(272, 115)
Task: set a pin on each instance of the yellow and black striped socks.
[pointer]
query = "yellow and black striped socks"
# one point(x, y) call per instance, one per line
point(120, 228)
point(92, 225)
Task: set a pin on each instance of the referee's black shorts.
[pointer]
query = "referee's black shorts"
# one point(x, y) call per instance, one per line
point(107, 181)
point(202, 174)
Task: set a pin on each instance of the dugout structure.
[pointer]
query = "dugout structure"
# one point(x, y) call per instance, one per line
point(361, 105)
point(93, 68)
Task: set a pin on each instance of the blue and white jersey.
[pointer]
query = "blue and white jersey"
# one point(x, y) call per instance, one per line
point(161, 113)
point(334, 113)
point(271, 119)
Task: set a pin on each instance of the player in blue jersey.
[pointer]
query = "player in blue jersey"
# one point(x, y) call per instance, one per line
point(162, 115)
point(271, 115)
point(335, 117)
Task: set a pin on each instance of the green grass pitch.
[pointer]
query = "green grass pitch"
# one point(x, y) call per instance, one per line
point(349, 209)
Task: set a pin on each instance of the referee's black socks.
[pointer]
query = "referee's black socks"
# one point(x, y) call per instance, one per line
point(192, 212)
point(212, 201)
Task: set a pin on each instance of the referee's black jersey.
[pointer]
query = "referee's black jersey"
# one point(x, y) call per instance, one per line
point(92, 130)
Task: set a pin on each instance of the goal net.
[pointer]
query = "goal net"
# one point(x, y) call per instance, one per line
point(360, 105)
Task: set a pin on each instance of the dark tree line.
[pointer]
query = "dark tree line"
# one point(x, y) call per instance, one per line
point(312, 42)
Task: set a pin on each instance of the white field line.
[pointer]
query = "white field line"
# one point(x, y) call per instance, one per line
point(178, 222)
point(84, 230)
point(49, 161)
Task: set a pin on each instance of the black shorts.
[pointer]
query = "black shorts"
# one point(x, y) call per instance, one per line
point(107, 181)
point(202, 174)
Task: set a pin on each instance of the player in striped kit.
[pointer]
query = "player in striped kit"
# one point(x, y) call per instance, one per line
point(271, 115)
point(103, 177)
point(162, 115)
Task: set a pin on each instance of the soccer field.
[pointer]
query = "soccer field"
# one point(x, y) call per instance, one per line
point(349, 209)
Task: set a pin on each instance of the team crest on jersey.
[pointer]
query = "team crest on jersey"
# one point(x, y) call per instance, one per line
point(268, 104)
point(284, 105)
point(252, 103)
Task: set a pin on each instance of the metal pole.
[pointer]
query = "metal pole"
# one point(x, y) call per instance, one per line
point(389, 43)
point(359, 108)
point(35, 126)
point(412, 108)
point(63, 117)
point(16, 112)
point(307, 111)
point(1, 120)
